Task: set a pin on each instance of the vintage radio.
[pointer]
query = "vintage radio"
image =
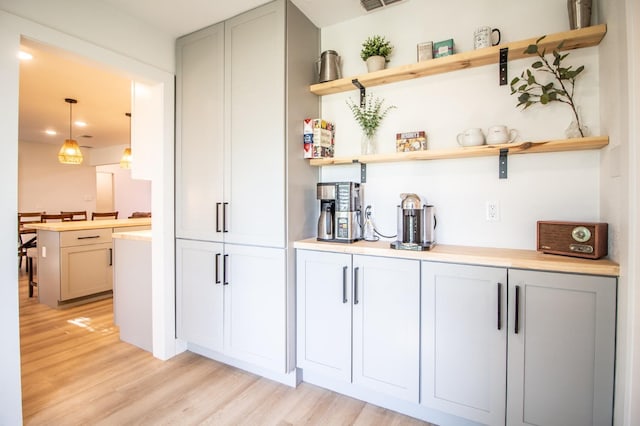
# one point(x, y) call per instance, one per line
point(578, 239)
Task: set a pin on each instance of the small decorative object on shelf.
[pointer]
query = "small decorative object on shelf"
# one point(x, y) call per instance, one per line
point(411, 141)
point(425, 51)
point(369, 118)
point(443, 48)
point(579, 13)
point(375, 52)
point(319, 138)
point(531, 91)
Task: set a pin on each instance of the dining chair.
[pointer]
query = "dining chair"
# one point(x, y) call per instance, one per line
point(62, 217)
point(76, 216)
point(104, 215)
point(139, 214)
point(23, 245)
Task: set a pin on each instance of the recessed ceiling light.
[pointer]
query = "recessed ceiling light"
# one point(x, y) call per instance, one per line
point(51, 132)
point(24, 55)
point(80, 123)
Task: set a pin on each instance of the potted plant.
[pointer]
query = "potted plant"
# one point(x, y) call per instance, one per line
point(375, 52)
point(369, 117)
point(559, 89)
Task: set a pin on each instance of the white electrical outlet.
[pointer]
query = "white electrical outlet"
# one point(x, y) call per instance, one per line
point(493, 211)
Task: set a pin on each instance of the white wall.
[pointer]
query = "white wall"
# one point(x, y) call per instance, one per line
point(88, 28)
point(563, 186)
point(130, 195)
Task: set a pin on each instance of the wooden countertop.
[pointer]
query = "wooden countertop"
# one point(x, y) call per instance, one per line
point(486, 256)
point(89, 224)
point(133, 235)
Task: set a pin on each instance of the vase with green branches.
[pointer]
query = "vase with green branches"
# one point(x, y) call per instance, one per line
point(560, 89)
point(369, 117)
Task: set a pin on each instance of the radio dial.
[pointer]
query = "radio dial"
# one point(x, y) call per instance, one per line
point(581, 234)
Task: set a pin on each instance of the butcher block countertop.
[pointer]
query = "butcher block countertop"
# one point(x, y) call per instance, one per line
point(486, 256)
point(89, 224)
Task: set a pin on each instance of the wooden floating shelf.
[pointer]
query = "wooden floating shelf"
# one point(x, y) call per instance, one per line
point(560, 145)
point(574, 39)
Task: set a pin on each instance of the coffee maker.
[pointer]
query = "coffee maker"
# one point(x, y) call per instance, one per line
point(340, 208)
point(416, 225)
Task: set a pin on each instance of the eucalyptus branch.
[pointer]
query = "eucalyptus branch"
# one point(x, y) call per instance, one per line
point(370, 116)
point(531, 91)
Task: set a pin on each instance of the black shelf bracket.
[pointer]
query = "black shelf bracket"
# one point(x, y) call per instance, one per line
point(504, 55)
point(502, 165)
point(363, 91)
point(363, 171)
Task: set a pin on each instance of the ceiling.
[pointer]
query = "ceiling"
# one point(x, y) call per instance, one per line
point(103, 97)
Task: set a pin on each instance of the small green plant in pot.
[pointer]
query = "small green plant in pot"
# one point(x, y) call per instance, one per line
point(369, 118)
point(375, 52)
point(560, 89)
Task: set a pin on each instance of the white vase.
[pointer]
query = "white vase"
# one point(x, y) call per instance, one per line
point(375, 63)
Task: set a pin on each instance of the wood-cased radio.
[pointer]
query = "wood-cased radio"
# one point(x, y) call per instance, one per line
point(578, 239)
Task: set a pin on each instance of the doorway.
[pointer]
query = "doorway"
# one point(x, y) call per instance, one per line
point(104, 192)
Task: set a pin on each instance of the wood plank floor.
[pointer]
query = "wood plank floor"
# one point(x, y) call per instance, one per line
point(76, 371)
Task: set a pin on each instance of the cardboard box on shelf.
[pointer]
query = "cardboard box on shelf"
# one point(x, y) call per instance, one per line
point(411, 141)
point(319, 137)
point(443, 48)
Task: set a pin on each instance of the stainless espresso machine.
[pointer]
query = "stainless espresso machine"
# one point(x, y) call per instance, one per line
point(416, 224)
point(340, 208)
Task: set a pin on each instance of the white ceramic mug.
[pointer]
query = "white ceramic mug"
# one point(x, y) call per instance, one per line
point(501, 134)
point(482, 37)
point(471, 137)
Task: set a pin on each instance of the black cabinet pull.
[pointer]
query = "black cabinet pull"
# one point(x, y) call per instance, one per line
point(217, 268)
point(224, 271)
point(224, 217)
point(517, 320)
point(110, 257)
point(355, 286)
point(218, 217)
point(499, 306)
point(344, 284)
point(88, 237)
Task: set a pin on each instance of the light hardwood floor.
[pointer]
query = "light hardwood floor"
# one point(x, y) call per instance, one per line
point(76, 371)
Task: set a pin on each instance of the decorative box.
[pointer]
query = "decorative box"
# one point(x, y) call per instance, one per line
point(443, 48)
point(411, 141)
point(425, 51)
point(318, 137)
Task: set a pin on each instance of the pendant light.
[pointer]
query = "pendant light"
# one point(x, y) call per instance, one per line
point(70, 151)
point(125, 161)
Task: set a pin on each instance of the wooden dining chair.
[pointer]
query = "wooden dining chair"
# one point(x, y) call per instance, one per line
point(76, 216)
point(23, 242)
point(62, 217)
point(139, 214)
point(104, 215)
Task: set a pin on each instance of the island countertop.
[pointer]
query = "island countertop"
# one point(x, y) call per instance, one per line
point(487, 256)
point(133, 235)
point(89, 224)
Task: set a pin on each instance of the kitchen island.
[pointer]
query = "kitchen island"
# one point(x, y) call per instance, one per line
point(75, 259)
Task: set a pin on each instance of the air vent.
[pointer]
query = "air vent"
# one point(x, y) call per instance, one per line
point(370, 5)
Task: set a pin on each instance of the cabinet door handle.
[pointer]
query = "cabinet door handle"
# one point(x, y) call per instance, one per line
point(517, 313)
point(499, 306)
point(355, 286)
point(344, 284)
point(218, 217)
point(224, 270)
point(88, 237)
point(217, 268)
point(224, 217)
point(110, 257)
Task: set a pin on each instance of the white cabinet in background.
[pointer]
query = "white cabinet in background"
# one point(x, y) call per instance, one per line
point(464, 340)
point(360, 324)
point(561, 349)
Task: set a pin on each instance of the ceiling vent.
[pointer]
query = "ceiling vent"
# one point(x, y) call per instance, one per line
point(370, 5)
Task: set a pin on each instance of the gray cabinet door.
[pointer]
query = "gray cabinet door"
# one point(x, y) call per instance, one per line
point(561, 349)
point(199, 134)
point(255, 126)
point(464, 340)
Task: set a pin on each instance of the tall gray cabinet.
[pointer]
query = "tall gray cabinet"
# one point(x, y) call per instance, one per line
point(243, 191)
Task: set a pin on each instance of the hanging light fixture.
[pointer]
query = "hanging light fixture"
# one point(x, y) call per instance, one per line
point(70, 151)
point(125, 161)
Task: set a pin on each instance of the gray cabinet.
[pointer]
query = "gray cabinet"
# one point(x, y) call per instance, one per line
point(561, 349)
point(242, 95)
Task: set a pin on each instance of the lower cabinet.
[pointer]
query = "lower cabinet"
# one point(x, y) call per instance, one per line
point(458, 344)
point(464, 340)
point(231, 300)
point(358, 320)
